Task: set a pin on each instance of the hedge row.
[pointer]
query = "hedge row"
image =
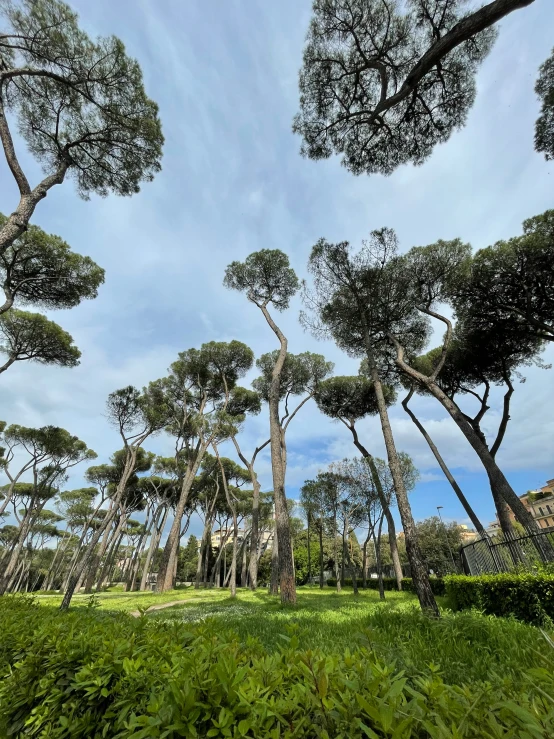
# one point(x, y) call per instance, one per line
point(528, 597)
point(389, 583)
point(91, 674)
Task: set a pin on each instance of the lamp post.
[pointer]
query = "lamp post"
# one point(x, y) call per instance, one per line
point(446, 537)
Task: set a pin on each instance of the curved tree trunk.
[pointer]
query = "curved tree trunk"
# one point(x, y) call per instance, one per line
point(442, 464)
point(494, 473)
point(165, 579)
point(393, 544)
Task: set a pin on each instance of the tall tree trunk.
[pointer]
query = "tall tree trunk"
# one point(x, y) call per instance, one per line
point(353, 571)
point(494, 473)
point(378, 560)
point(201, 555)
point(393, 544)
point(282, 521)
point(114, 542)
point(92, 571)
point(25, 527)
point(86, 560)
point(309, 553)
point(321, 576)
point(244, 568)
point(365, 564)
point(442, 464)
point(167, 565)
point(154, 543)
point(255, 532)
point(420, 576)
point(274, 579)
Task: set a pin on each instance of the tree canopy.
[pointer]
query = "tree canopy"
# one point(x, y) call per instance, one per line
point(79, 105)
point(382, 83)
point(40, 269)
point(32, 336)
point(514, 280)
point(544, 128)
point(265, 276)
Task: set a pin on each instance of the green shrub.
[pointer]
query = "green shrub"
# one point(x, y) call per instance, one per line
point(528, 597)
point(89, 673)
point(389, 583)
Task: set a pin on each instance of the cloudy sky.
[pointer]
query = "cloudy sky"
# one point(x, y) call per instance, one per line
point(225, 77)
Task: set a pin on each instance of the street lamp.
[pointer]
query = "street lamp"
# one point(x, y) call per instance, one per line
point(446, 537)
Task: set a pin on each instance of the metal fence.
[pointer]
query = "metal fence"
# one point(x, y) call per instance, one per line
point(491, 555)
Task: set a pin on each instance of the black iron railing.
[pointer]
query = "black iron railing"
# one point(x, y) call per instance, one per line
point(501, 553)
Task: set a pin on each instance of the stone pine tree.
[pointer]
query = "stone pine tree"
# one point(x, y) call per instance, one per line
point(250, 402)
point(544, 127)
point(79, 105)
point(32, 337)
point(39, 269)
point(357, 301)
point(299, 378)
point(428, 277)
point(482, 354)
point(349, 399)
point(198, 389)
point(53, 452)
point(513, 280)
point(268, 280)
point(382, 83)
point(136, 415)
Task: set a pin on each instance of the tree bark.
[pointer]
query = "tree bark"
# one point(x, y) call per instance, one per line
point(321, 577)
point(393, 544)
point(494, 473)
point(282, 522)
point(274, 581)
point(442, 464)
point(129, 467)
point(420, 576)
point(167, 565)
point(154, 543)
point(378, 559)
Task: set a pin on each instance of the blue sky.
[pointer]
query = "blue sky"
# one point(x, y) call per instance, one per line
point(225, 77)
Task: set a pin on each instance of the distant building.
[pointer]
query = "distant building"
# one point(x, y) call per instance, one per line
point(467, 535)
point(222, 535)
point(540, 503)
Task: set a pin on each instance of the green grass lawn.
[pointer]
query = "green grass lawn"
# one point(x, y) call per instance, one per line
point(464, 647)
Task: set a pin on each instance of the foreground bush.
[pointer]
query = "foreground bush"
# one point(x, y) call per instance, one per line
point(528, 597)
point(389, 583)
point(93, 674)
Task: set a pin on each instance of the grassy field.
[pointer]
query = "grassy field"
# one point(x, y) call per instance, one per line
point(462, 647)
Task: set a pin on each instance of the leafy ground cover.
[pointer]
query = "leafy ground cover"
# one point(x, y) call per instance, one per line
point(333, 666)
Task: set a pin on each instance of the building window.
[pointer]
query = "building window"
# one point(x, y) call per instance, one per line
point(549, 509)
point(541, 511)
